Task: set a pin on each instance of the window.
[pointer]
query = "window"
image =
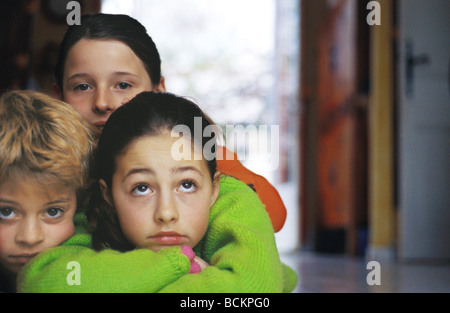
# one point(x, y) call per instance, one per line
point(238, 60)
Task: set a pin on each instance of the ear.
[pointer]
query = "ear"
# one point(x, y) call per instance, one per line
point(105, 191)
point(215, 191)
point(57, 92)
point(161, 87)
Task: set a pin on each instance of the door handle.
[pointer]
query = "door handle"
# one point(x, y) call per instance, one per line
point(411, 62)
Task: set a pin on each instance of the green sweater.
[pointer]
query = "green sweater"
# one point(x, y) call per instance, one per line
point(239, 245)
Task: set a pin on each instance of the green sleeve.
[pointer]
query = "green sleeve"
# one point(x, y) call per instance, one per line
point(139, 270)
point(289, 279)
point(239, 245)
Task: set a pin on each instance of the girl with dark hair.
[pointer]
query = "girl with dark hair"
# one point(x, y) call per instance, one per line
point(103, 63)
point(106, 61)
point(151, 200)
point(173, 189)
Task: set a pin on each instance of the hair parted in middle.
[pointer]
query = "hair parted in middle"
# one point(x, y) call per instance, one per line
point(147, 114)
point(118, 27)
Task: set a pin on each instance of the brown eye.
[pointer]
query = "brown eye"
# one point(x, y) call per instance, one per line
point(187, 186)
point(141, 190)
point(82, 87)
point(54, 212)
point(123, 85)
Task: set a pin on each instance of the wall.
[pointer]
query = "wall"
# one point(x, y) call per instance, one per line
point(46, 37)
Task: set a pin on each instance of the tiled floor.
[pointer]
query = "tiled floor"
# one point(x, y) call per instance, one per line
point(320, 273)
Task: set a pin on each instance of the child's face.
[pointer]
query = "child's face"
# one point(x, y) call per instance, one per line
point(32, 219)
point(100, 76)
point(161, 202)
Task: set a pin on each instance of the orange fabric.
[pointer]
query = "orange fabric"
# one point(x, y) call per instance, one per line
point(229, 164)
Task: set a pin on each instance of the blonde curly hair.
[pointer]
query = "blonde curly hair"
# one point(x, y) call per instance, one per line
point(43, 139)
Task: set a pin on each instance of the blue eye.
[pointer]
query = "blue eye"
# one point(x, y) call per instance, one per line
point(7, 213)
point(187, 186)
point(141, 190)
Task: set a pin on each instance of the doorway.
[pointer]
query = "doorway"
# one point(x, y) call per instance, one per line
point(423, 71)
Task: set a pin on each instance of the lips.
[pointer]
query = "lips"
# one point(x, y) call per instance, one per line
point(168, 238)
point(23, 258)
point(100, 124)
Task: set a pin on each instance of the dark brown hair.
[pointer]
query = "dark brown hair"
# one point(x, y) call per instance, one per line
point(148, 113)
point(112, 27)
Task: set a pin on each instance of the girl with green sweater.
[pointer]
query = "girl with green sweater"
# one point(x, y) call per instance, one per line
point(152, 203)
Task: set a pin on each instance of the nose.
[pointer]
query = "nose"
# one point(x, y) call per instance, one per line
point(104, 101)
point(166, 211)
point(29, 233)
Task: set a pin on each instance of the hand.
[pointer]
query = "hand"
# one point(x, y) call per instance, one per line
point(203, 264)
point(197, 264)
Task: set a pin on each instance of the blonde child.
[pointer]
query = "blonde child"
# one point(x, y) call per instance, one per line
point(45, 147)
point(159, 191)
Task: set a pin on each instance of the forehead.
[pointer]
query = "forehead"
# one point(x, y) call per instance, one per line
point(33, 187)
point(162, 151)
point(103, 55)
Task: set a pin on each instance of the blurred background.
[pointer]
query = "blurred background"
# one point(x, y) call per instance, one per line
point(363, 110)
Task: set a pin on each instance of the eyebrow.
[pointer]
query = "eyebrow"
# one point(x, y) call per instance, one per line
point(149, 171)
point(186, 169)
point(78, 75)
point(63, 200)
point(116, 73)
point(138, 171)
point(124, 73)
point(8, 201)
